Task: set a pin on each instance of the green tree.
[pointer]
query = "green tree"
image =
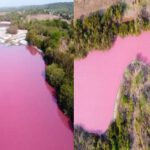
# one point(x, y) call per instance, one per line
point(123, 29)
point(66, 98)
point(55, 75)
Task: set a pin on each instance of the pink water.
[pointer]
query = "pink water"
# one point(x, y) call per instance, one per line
point(98, 78)
point(29, 116)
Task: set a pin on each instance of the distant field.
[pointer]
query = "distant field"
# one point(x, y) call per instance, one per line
point(44, 17)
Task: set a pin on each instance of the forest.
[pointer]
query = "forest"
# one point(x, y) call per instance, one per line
point(100, 29)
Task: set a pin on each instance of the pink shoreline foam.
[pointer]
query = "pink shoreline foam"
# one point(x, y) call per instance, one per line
point(98, 77)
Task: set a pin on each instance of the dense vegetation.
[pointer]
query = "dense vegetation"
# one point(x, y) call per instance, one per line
point(53, 37)
point(131, 129)
point(100, 29)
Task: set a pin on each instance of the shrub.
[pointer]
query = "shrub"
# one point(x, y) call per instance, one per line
point(55, 75)
point(12, 29)
point(66, 98)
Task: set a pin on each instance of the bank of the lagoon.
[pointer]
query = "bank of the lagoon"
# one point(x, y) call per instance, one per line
point(98, 78)
point(29, 116)
point(18, 38)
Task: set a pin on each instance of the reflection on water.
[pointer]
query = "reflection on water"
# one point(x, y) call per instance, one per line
point(32, 50)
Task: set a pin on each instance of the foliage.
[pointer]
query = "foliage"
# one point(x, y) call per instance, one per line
point(48, 33)
point(99, 30)
point(55, 75)
point(66, 98)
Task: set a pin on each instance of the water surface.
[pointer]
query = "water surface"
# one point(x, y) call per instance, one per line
point(29, 116)
point(98, 77)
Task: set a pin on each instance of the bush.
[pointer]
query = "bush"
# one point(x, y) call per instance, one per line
point(123, 29)
point(12, 29)
point(55, 75)
point(66, 98)
point(98, 31)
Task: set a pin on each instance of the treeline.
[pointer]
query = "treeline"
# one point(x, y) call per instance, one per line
point(100, 29)
point(131, 129)
point(64, 10)
point(48, 33)
point(53, 37)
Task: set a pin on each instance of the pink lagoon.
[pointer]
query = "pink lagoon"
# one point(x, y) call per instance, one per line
point(29, 116)
point(98, 78)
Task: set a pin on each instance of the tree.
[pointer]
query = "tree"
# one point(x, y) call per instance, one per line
point(123, 29)
point(66, 98)
point(55, 75)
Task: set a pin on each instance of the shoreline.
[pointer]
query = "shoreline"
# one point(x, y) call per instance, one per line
point(12, 39)
point(115, 112)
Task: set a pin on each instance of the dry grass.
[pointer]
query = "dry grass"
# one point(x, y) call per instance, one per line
point(42, 17)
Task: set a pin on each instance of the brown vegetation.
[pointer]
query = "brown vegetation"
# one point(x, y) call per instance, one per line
point(12, 29)
point(42, 17)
